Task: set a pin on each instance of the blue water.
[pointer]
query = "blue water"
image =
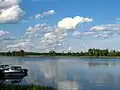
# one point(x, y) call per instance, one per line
point(69, 73)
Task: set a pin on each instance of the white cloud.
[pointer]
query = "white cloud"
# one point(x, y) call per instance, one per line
point(49, 36)
point(98, 28)
point(20, 44)
point(31, 30)
point(88, 33)
point(68, 85)
point(101, 35)
point(112, 27)
point(34, 39)
point(62, 36)
point(105, 36)
point(8, 3)
point(71, 23)
point(2, 33)
point(53, 40)
point(76, 33)
point(48, 13)
point(69, 48)
point(11, 15)
point(10, 11)
point(38, 16)
point(106, 30)
point(44, 37)
point(39, 28)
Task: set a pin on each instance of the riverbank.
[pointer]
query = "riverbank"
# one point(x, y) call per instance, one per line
point(74, 56)
point(39, 56)
point(24, 87)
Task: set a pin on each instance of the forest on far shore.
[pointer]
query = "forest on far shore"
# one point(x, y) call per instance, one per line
point(90, 52)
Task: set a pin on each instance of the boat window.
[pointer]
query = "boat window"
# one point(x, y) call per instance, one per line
point(3, 66)
point(16, 68)
point(6, 69)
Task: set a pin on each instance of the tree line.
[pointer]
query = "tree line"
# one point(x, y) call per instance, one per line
point(90, 52)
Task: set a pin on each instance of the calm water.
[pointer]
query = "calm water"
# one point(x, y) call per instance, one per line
point(70, 73)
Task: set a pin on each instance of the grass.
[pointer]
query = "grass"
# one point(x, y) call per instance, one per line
point(24, 87)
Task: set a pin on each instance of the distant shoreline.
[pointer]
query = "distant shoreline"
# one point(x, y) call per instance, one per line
point(91, 53)
point(39, 56)
point(75, 56)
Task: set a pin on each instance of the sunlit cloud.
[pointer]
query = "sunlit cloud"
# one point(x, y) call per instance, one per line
point(47, 13)
point(72, 23)
point(10, 11)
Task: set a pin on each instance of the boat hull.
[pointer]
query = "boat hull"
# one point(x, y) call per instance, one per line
point(13, 74)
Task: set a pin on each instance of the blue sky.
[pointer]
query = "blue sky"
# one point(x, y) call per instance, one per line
point(60, 25)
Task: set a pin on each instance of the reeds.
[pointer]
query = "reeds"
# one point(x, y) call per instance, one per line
point(24, 87)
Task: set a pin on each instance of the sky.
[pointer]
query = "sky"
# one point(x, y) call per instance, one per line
point(59, 25)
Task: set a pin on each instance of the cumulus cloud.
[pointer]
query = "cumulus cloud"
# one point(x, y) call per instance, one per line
point(10, 12)
point(31, 30)
point(8, 3)
point(40, 37)
point(20, 44)
point(54, 38)
point(49, 36)
point(48, 13)
point(72, 23)
point(11, 15)
point(39, 28)
point(106, 30)
point(38, 16)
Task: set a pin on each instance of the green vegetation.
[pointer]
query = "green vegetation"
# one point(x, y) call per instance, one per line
point(91, 52)
point(13, 53)
point(18, 87)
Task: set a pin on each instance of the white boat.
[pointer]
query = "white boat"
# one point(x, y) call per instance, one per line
point(12, 72)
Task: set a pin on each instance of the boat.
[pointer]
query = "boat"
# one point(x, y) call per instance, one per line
point(12, 72)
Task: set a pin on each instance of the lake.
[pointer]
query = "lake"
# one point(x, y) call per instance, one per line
point(69, 73)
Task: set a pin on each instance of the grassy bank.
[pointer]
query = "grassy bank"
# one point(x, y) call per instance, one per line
point(18, 87)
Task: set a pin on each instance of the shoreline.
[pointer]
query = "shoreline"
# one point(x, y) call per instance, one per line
point(65, 56)
point(39, 56)
point(75, 56)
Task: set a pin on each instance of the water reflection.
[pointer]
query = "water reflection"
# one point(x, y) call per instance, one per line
point(73, 74)
point(13, 81)
point(101, 64)
point(68, 85)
